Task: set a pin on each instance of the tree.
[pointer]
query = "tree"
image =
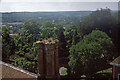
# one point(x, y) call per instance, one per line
point(25, 64)
point(25, 41)
point(100, 19)
point(56, 31)
point(26, 46)
point(48, 24)
point(30, 33)
point(8, 45)
point(93, 53)
point(31, 26)
point(48, 29)
point(71, 35)
point(59, 32)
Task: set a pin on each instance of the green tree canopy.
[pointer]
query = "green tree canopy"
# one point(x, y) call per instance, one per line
point(31, 26)
point(91, 54)
point(48, 24)
point(71, 34)
point(100, 19)
point(8, 45)
point(48, 30)
point(26, 46)
point(104, 20)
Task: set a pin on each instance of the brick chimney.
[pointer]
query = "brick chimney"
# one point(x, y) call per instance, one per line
point(48, 58)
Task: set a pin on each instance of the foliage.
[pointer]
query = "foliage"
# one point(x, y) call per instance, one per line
point(47, 32)
point(64, 72)
point(25, 42)
point(56, 31)
point(8, 45)
point(48, 24)
point(100, 19)
point(62, 50)
point(26, 46)
point(29, 52)
point(32, 27)
point(71, 35)
point(91, 54)
point(48, 29)
point(25, 64)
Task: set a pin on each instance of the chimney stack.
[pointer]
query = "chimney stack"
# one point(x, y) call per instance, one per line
point(48, 58)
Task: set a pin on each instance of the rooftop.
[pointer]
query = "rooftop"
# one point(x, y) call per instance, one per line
point(9, 71)
point(116, 61)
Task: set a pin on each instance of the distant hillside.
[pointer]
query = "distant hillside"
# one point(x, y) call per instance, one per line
point(62, 17)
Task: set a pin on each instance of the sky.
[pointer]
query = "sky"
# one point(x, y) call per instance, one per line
point(55, 5)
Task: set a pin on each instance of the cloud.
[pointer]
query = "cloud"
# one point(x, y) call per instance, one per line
point(60, 0)
point(55, 6)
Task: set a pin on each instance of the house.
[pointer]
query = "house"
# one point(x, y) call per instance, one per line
point(116, 68)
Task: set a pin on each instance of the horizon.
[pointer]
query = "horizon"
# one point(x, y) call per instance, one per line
point(51, 11)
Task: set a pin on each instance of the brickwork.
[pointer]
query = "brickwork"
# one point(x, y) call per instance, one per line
point(116, 67)
point(47, 51)
point(116, 71)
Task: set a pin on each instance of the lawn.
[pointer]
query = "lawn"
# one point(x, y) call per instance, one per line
point(105, 71)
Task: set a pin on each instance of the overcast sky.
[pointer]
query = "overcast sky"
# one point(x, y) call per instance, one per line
point(56, 5)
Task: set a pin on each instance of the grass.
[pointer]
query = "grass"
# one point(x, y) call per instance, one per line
point(105, 71)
